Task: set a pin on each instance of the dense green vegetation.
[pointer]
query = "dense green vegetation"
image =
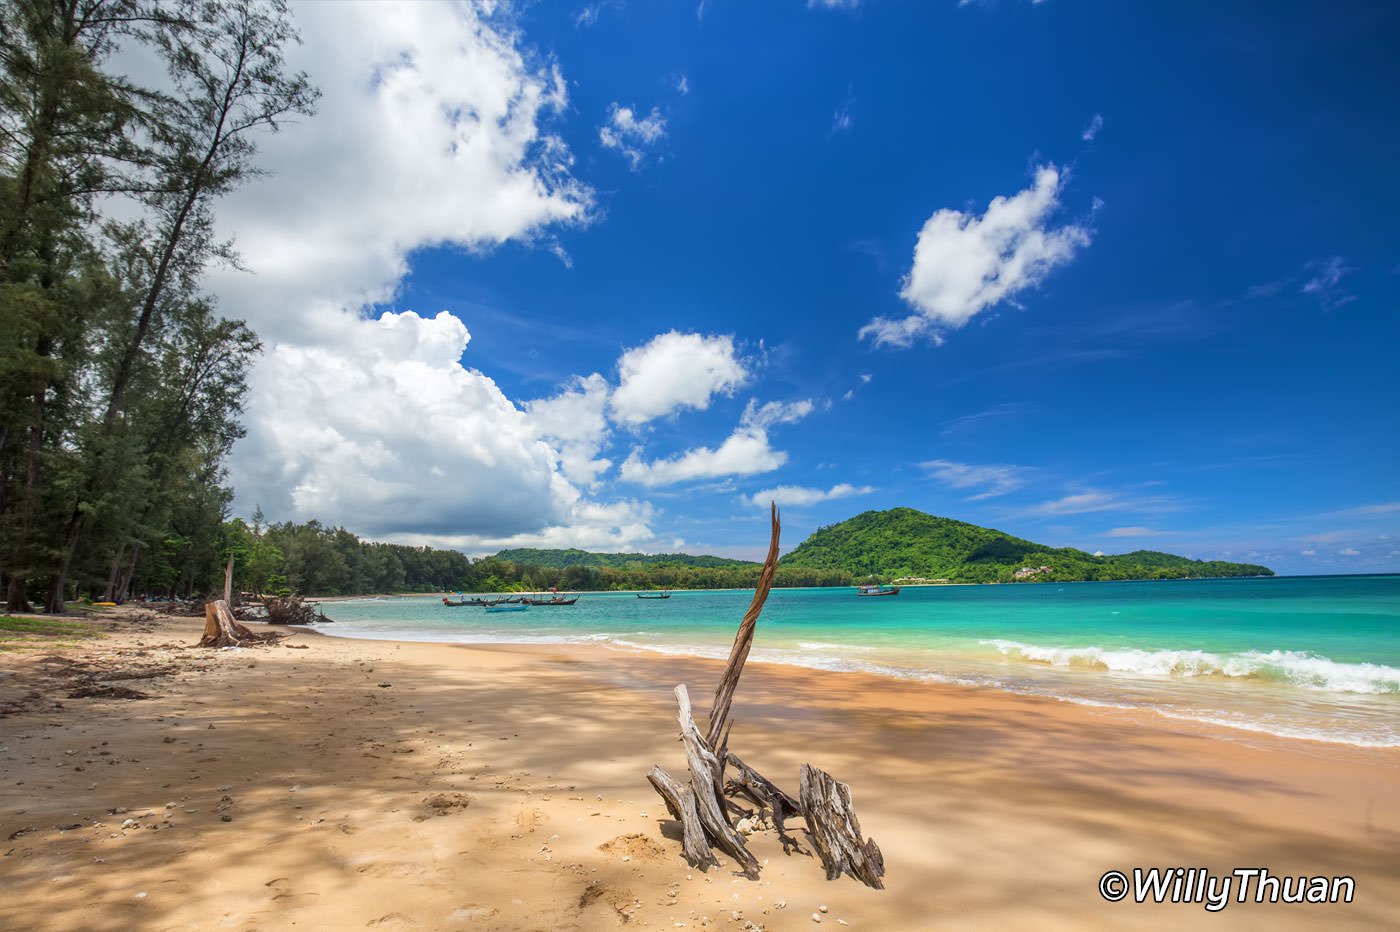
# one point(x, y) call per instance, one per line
point(560, 559)
point(316, 560)
point(120, 385)
point(313, 559)
point(903, 542)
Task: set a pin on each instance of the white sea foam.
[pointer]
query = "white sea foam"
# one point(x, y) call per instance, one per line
point(1297, 668)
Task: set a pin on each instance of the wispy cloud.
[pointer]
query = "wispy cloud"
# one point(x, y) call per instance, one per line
point(994, 480)
point(967, 422)
point(631, 135)
point(1091, 131)
point(843, 120)
point(1325, 282)
point(1091, 501)
point(1361, 511)
point(1134, 532)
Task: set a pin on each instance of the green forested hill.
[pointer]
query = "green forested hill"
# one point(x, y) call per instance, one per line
point(903, 542)
point(562, 559)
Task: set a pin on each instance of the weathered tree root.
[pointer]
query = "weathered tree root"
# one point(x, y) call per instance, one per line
point(221, 629)
point(705, 805)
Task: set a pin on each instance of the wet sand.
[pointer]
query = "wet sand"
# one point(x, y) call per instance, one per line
point(372, 784)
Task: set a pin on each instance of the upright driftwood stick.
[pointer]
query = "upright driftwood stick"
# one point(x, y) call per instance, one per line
point(724, 693)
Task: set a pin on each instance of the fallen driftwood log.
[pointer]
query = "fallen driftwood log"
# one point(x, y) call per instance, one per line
point(704, 806)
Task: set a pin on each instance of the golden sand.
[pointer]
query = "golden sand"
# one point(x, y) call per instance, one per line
point(371, 784)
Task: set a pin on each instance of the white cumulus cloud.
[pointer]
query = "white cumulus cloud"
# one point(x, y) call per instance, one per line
point(631, 135)
point(433, 128)
point(965, 263)
point(744, 452)
point(802, 495)
point(386, 432)
point(675, 370)
point(575, 419)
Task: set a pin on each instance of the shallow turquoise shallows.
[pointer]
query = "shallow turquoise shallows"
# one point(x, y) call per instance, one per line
point(1299, 657)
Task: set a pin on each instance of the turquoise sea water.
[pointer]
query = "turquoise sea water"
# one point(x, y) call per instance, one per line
point(1299, 657)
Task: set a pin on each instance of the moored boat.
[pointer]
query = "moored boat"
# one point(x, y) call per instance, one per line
point(492, 609)
point(877, 590)
point(653, 595)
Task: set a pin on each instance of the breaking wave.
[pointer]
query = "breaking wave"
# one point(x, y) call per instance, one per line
point(1296, 668)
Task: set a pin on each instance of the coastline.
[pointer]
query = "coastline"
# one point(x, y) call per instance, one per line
point(992, 809)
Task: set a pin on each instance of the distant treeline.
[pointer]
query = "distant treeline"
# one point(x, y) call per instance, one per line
point(315, 560)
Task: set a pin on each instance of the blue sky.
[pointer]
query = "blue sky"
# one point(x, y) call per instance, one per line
point(1109, 275)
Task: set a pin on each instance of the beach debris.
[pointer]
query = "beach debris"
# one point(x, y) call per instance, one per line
point(222, 630)
point(292, 611)
point(706, 807)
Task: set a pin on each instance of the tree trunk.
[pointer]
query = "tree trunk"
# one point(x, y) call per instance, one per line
point(16, 600)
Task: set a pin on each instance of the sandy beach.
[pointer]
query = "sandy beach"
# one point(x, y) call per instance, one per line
point(371, 784)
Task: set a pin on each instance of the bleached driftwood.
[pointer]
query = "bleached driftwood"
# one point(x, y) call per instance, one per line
point(703, 805)
point(835, 830)
point(680, 800)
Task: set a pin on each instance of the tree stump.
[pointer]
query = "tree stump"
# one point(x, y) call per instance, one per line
point(221, 629)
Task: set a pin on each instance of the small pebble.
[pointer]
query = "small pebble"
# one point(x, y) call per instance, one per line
point(822, 908)
point(816, 917)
